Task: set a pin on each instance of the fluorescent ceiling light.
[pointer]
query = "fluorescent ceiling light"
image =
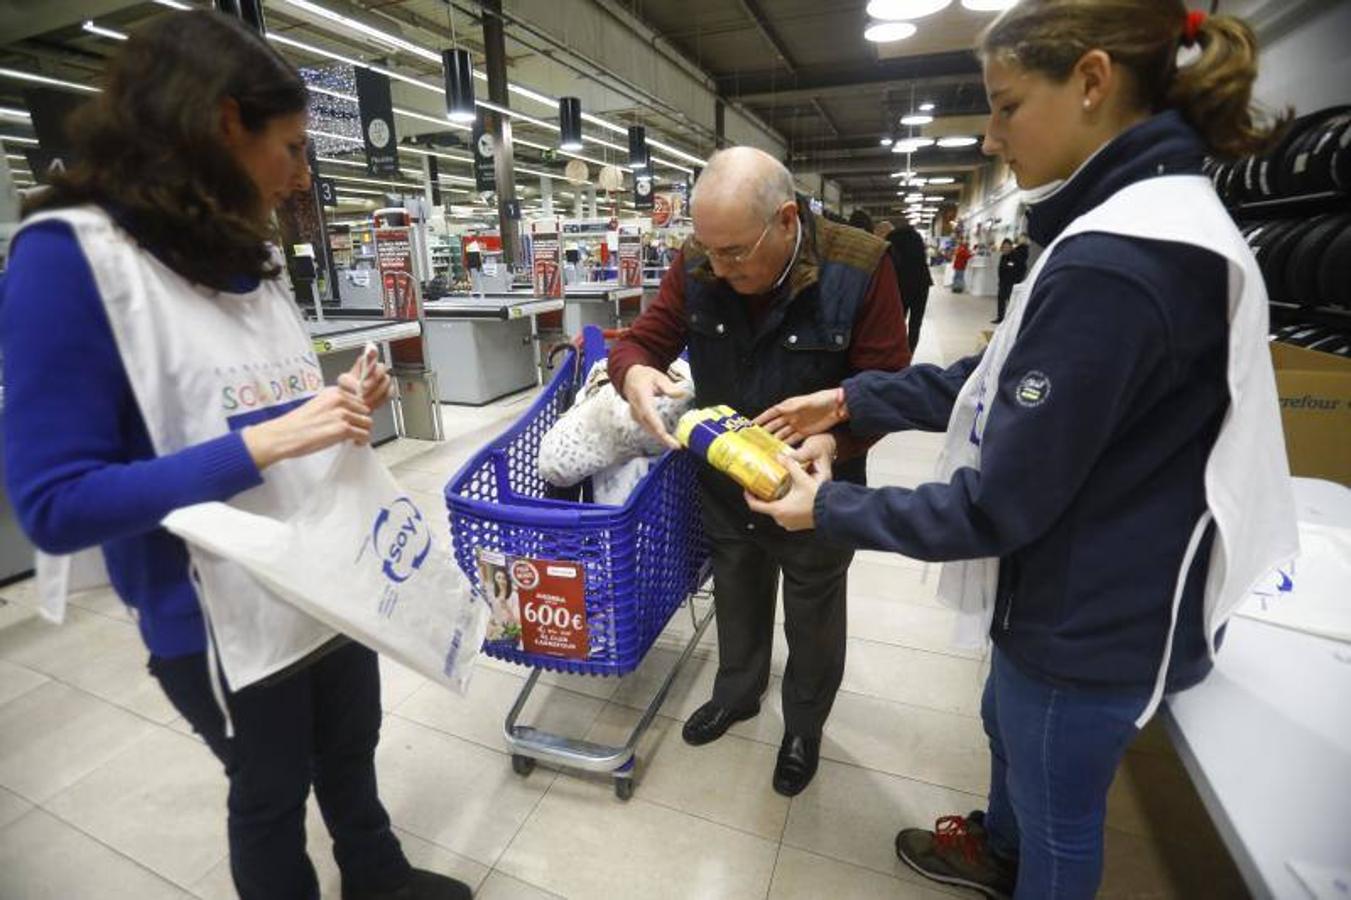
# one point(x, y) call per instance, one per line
point(914, 196)
point(917, 119)
point(906, 174)
point(886, 32)
point(15, 139)
point(10, 112)
point(905, 9)
point(951, 142)
point(909, 145)
point(988, 5)
point(173, 4)
point(383, 37)
point(926, 107)
point(942, 179)
point(886, 141)
point(90, 27)
point(43, 79)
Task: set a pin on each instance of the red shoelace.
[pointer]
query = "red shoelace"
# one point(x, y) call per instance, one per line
point(951, 835)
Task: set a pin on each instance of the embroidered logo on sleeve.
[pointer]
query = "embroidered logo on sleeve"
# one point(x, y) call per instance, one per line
point(1033, 389)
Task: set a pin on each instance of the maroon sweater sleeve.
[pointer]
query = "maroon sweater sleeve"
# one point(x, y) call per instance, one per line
point(879, 343)
point(658, 335)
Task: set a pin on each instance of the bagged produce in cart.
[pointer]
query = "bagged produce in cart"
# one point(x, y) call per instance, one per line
point(362, 557)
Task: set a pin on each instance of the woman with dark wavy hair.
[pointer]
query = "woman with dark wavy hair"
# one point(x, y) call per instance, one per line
point(154, 359)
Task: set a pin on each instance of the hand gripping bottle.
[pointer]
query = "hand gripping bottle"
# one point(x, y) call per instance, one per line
point(728, 442)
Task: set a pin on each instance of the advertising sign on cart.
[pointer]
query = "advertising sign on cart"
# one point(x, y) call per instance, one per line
point(630, 256)
point(536, 605)
point(546, 264)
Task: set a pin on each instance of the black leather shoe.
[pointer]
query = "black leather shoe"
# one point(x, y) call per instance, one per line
point(423, 885)
point(711, 722)
point(798, 758)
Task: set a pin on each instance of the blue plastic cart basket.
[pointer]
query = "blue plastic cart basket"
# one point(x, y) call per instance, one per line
point(642, 560)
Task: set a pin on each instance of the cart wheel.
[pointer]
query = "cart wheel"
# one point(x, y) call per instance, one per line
point(522, 765)
point(623, 788)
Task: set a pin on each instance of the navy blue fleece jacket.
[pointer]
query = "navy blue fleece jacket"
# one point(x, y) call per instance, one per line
point(1089, 487)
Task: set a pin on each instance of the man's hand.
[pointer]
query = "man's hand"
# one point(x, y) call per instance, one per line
point(642, 386)
point(799, 417)
point(795, 511)
point(817, 455)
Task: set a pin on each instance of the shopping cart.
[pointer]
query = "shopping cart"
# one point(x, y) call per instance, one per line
point(641, 562)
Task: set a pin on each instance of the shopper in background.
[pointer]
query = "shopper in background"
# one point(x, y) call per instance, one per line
point(770, 300)
point(1124, 422)
point(961, 257)
point(910, 259)
point(1012, 270)
point(197, 137)
point(860, 219)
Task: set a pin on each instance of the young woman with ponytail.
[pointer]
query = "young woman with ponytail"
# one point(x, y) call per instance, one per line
point(1113, 478)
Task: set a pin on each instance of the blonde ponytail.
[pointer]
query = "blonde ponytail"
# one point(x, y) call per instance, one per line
point(1214, 93)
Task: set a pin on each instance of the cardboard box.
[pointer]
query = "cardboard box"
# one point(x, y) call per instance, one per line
point(1315, 392)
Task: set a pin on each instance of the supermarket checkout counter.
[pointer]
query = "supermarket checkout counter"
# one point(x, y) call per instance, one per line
point(16, 553)
point(481, 347)
point(339, 342)
point(603, 304)
point(1266, 739)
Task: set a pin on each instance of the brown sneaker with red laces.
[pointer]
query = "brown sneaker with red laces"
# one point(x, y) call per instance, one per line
point(957, 852)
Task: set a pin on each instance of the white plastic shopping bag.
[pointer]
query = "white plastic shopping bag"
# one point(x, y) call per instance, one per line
point(360, 556)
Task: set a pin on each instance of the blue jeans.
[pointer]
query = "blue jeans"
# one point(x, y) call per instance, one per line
point(1053, 753)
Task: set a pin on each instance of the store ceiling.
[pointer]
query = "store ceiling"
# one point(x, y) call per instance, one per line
point(801, 66)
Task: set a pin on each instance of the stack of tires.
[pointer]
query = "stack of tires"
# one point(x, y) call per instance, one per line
point(1293, 206)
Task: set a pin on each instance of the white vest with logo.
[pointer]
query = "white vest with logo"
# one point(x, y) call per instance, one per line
point(202, 364)
point(1247, 478)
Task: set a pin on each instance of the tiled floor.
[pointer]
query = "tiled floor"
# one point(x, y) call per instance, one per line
point(105, 793)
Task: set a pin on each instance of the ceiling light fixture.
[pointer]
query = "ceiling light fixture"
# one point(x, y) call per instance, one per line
point(942, 179)
point(886, 32)
point(90, 27)
point(173, 4)
point(949, 143)
point(10, 112)
point(569, 123)
point(886, 141)
point(910, 145)
point(458, 68)
point(15, 139)
point(926, 107)
point(893, 10)
point(988, 5)
point(917, 119)
point(43, 79)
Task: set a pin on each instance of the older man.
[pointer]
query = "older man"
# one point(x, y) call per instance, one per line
point(771, 302)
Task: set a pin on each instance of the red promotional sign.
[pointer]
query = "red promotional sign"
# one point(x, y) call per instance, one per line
point(630, 257)
point(546, 264)
point(662, 209)
point(553, 607)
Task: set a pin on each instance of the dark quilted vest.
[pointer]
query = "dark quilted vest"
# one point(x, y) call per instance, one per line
point(800, 347)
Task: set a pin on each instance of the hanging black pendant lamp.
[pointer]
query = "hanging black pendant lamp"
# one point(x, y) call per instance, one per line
point(458, 66)
point(569, 123)
point(638, 158)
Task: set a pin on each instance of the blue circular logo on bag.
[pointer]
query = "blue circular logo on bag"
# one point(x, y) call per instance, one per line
point(402, 539)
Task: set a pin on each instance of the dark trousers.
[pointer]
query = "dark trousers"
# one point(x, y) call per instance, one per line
point(914, 315)
point(1002, 302)
point(317, 726)
point(747, 560)
point(1053, 753)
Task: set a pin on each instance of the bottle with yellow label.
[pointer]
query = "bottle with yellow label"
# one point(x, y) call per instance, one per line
point(731, 444)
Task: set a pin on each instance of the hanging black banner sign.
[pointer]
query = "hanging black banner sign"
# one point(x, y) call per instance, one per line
point(377, 123)
point(485, 158)
point(328, 190)
point(642, 191)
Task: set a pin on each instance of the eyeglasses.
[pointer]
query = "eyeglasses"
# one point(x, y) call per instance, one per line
point(736, 256)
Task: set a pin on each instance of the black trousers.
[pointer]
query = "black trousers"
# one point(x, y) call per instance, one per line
point(914, 315)
point(315, 727)
point(748, 557)
point(1002, 301)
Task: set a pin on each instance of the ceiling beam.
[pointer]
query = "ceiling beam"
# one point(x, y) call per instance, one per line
point(825, 117)
point(752, 9)
point(959, 66)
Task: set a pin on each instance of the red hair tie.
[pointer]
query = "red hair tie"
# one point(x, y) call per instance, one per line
point(1192, 27)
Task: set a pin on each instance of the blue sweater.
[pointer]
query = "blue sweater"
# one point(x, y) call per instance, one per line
point(79, 463)
point(1092, 460)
